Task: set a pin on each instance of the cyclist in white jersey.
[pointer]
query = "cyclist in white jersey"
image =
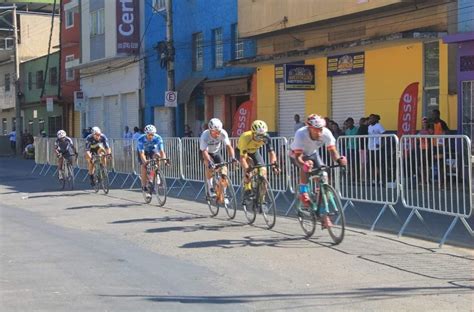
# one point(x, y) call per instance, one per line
point(210, 144)
point(304, 154)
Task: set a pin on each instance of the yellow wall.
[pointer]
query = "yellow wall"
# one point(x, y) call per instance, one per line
point(266, 97)
point(317, 101)
point(388, 71)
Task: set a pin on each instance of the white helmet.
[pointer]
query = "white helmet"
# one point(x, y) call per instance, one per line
point(259, 127)
point(215, 124)
point(61, 134)
point(150, 129)
point(315, 121)
point(96, 130)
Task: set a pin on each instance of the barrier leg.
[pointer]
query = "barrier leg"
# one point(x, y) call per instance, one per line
point(55, 171)
point(418, 215)
point(115, 177)
point(49, 167)
point(182, 188)
point(42, 168)
point(34, 168)
point(394, 212)
point(291, 205)
point(285, 197)
point(85, 176)
point(135, 181)
point(466, 225)
point(451, 227)
point(200, 191)
point(125, 180)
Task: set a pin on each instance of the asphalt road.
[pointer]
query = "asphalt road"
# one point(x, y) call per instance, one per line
point(79, 251)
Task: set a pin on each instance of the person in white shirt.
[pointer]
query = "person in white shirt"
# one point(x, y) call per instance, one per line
point(298, 123)
point(127, 143)
point(210, 143)
point(374, 146)
point(304, 154)
point(12, 136)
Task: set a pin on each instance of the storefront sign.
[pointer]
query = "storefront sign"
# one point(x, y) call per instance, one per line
point(280, 71)
point(347, 64)
point(49, 104)
point(242, 119)
point(407, 110)
point(128, 31)
point(299, 77)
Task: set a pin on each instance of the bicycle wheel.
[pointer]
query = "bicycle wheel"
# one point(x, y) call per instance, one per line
point(248, 205)
point(211, 201)
point(307, 219)
point(230, 200)
point(97, 181)
point(61, 172)
point(69, 178)
point(148, 195)
point(105, 179)
point(267, 202)
point(159, 182)
point(336, 214)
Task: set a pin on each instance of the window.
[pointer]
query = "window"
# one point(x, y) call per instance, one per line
point(97, 22)
point(69, 17)
point(30, 80)
point(39, 79)
point(6, 43)
point(431, 76)
point(197, 52)
point(159, 5)
point(4, 126)
point(53, 76)
point(218, 48)
point(7, 82)
point(238, 44)
point(54, 125)
point(69, 71)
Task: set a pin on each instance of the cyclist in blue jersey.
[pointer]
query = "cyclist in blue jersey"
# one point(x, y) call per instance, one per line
point(149, 145)
point(96, 144)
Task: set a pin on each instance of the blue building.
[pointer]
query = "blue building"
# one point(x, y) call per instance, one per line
point(205, 38)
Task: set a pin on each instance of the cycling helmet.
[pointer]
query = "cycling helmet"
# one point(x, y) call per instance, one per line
point(315, 121)
point(96, 130)
point(150, 129)
point(61, 134)
point(259, 127)
point(215, 124)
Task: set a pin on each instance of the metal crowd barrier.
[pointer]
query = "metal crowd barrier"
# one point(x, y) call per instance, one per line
point(192, 167)
point(41, 153)
point(436, 173)
point(372, 173)
point(173, 149)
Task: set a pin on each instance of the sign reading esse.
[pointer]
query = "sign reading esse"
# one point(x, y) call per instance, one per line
point(127, 26)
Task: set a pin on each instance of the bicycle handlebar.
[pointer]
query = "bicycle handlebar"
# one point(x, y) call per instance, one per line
point(323, 168)
point(262, 166)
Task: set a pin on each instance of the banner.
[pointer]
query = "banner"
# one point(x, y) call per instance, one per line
point(242, 119)
point(347, 64)
point(299, 77)
point(128, 29)
point(407, 110)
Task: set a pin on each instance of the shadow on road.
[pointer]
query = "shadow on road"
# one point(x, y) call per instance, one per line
point(163, 219)
point(194, 228)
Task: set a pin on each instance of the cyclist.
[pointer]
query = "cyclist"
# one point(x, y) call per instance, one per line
point(63, 146)
point(96, 144)
point(304, 154)
point(210, 144)
point(149, 145)
point(249, 144)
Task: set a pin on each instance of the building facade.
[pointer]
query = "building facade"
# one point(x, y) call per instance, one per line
point(205, 39)
point(33, 37)
point(463, 41)
point(70, 43)
point(40, 106)
point(109, 67)
point(365, 53)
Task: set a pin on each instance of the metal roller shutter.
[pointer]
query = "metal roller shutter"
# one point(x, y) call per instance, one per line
point(219, 107)
point(113, 125)
point(130, 110)
point(95, 112)
point(348, 98)
point(289, 104)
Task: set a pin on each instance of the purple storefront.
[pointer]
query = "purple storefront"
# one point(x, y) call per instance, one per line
point(465, 77)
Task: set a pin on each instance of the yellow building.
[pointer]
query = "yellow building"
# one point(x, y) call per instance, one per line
point(364, 55)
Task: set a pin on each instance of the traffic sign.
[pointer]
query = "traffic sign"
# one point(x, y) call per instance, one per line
point(171, 98)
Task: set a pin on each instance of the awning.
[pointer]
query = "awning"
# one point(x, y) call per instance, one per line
point(186, 88)
point(229, 85)
point(459, 37)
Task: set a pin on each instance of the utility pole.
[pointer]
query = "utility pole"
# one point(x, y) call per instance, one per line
point(170, 56)
point(17, 86)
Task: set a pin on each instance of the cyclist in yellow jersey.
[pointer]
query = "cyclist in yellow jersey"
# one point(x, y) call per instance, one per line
point(249, 144)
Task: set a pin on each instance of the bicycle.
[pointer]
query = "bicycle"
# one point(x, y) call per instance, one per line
point(327, 196)
point(225, 193)
point(156, 182)
point(260, 199)
point(101, 174)
point(66, 171)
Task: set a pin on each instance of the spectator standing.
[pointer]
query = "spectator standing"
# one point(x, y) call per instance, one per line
point(374, 147)
point(351, 148)
point(136, 134)
point(127, 141)
point(363, 130)
point(439, 149)
point(298, 123)
point(187, 131)
point(12, 136)
point(424, 158)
